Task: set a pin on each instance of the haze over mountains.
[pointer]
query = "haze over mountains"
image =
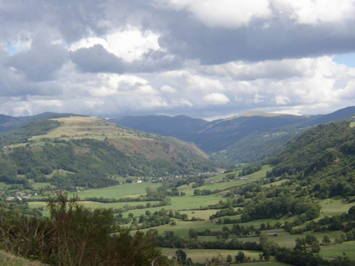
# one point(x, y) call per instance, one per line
point(247, 138)
point(243, 139)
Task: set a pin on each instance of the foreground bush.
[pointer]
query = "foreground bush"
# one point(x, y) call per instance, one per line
point(75, 235)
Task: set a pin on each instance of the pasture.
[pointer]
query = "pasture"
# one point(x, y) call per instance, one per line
point(204, 255)
point(333, 251)
point(78, 127)
point(126, 190)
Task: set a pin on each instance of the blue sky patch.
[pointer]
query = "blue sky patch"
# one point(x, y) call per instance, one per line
point(347, 59)
point(11, 49)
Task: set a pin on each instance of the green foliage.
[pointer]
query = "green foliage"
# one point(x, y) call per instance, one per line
point(34, 128)
point(75, 235)
point(315, 150)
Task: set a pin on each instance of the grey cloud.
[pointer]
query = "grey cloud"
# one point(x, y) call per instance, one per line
point(282, 39)
point(98, 59)
point(41, 61)
point(14, 84)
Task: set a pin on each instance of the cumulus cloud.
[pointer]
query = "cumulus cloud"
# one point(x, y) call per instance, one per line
point(224, 13)
point(41, 61)
point(167, 89)
point(216, 98)
point(128, 44)
point(200, 58)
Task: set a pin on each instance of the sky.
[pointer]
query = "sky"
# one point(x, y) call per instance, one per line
point(202, 58)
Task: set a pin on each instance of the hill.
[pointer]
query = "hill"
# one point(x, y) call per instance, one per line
point(345, 113)
point(324, 157)
point(87, 151)
point(8, 123)
point(249, 138)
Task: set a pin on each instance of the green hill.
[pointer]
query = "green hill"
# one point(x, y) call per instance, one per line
point(323, 157)
point(87, 151)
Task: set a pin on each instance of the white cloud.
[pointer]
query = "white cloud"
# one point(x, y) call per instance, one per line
point(281, 100)
point(224, 13)
point(129, 44)
point(216, 99)
point(233, 14)
point(167, 89)
point(316, 11)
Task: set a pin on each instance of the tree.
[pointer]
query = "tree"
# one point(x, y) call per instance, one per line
point(326, 240)
point(315, 247)
point(181, 256)
point(192, 234)
point(150, 190)
point(240, 258)
point(229, 259)
point(257, 232)
point(288, 226)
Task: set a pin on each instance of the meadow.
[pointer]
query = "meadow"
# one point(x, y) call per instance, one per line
point(204, 255)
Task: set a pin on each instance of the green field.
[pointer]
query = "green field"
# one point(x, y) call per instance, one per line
point(204, 255)
point(37, 186)
point(277, 183)
point(333, 251)
point(334, 206)
point(191, 205)
point(116, 192)
point(182, 227)
point(284, 239)
point(3, 186)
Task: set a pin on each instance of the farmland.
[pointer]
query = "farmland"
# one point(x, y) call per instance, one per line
point(198, 207)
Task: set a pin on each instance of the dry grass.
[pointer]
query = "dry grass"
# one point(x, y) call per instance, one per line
point(11, 260)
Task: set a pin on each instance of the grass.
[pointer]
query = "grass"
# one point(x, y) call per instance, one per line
point(86, 127)
point(182, 227)
point(352, 124)
point(267, 263)
point(275, 184)
point(334, 206)
point(11, 260)
point(333, 251)
point(3, 186)
point(284, 239)
point(225, 185)
point(199, 214)
point(37, 186)
point(202, 255)
point(116, 192)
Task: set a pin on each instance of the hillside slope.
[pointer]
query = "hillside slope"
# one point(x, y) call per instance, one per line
point(248, 138)
point(87, 151)
point(323, 158)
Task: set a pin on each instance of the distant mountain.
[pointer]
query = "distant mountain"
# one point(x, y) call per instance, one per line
point(8, 122)
point(345, 113)
point(247, 138)
point(182, 127)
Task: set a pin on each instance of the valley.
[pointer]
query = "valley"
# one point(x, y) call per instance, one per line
point(298, 203)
